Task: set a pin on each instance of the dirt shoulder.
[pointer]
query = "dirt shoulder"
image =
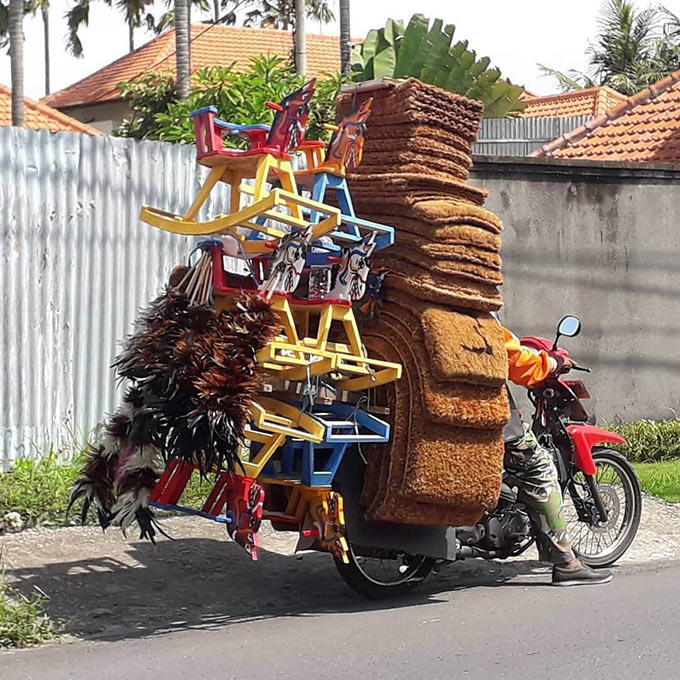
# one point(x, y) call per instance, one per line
point(107, 588)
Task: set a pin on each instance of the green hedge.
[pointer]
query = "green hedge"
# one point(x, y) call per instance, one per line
point(650, 441)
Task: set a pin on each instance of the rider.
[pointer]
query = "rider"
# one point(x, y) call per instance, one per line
point(532, 470)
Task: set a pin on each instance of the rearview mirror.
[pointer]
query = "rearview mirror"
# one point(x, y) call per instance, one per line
point(570, 326)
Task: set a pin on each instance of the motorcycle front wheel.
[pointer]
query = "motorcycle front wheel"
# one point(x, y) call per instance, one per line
point(597, 543)
point(377, 574)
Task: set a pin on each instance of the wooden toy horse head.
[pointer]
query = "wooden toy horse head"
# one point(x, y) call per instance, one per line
point(346, 147)
point(350, 282)
point(290, 123)
point(287, 263)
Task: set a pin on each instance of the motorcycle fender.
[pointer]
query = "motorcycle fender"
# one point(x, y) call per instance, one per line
point(585, 437)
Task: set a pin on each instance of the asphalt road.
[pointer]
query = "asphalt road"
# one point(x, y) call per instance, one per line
point(494, 624)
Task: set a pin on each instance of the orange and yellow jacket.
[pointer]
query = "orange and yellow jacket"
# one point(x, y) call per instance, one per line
point(527, 366)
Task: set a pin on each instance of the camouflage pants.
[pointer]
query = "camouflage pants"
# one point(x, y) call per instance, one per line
point(531, 469)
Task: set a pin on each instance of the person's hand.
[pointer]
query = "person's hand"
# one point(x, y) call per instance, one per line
point(564, 365)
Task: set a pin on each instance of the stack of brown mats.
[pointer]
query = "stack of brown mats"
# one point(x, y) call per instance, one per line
point(443, 463)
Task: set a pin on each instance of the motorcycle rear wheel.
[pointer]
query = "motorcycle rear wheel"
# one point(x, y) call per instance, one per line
point(379, 574)
point(600, 544)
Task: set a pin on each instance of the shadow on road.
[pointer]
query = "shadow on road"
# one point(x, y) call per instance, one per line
point(200, 583)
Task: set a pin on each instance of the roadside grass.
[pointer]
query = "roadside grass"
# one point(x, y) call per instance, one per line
point(661, 479)
point(23, 621)
point(39, 490)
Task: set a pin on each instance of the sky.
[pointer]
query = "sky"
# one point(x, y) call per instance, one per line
point(515, 35)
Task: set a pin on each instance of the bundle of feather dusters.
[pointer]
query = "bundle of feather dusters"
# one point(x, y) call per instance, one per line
point(191, 375)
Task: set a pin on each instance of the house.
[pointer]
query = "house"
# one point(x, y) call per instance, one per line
point(592, 101)
point(40, 117)
point(644, 128)
point(96, 99)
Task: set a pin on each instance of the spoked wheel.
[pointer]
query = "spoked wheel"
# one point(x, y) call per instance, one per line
point(597, 543)
point(377, 574)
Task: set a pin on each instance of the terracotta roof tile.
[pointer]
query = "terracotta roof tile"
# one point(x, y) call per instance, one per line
point(40, 117)
point(211, 45)
point(645, 128)
point(589, 102)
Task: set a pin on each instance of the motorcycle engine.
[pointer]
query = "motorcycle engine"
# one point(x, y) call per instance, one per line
point(505, 528)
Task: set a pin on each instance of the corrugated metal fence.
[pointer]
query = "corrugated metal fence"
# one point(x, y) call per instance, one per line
point(76, 264)
point(521, 136)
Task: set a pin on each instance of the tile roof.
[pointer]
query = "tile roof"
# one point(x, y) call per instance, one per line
point(589, 102)
point(644, 128)
point(40, 117)
point(211, 44)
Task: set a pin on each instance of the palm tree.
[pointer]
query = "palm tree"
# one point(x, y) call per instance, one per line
point(300, 39)
point(634, 48)
point(135, 15)
point(43, 6)
point(625, 42)
point(182, 47)
point(281, 13)
point(345, 38)
point(16, 50)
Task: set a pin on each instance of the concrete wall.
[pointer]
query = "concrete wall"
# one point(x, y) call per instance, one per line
point(106, 116)
point(601, 241)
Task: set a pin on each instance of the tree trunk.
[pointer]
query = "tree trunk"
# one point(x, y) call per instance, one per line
point(46, 42)
point(345, 38)
point(216, 9)
point(182, 47)
point(16, 41)
point(300, 39)
point(131, 36)
point(285, 15)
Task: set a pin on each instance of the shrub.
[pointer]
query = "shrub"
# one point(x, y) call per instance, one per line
point(239, 96)
point(650, 441)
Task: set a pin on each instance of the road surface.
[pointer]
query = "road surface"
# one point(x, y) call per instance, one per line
point(489, 621)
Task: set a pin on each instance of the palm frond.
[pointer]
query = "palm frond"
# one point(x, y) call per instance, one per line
point(566, 82)
point(76, 17)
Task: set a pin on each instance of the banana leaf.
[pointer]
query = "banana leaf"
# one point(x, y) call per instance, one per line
point(425, 52)
point(369, 45)
point(504, 98)
point(457, 80)
point(384, 62)
point(412, 50)
point(439, 44)
point(394, 30)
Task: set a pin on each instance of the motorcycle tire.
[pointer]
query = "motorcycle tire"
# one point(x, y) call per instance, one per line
point(632, 511)
point(373, 588)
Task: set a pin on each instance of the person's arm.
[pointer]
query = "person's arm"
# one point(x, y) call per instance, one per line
point(527, 366)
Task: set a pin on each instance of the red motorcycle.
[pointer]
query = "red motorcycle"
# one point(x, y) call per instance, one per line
point(606, 500)
point(602, 498)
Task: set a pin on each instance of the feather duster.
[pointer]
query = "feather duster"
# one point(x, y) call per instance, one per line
point(192, 374)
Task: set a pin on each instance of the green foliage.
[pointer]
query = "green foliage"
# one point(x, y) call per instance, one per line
point(147, 96)
point(650, 441)
point(632, 50)
point(23, 621)
point(38, 489)
point(281, 13)
point(661, 479)
point(427, 52)
point(240, 97)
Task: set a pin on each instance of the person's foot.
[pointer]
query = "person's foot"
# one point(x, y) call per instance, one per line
point(580, 575)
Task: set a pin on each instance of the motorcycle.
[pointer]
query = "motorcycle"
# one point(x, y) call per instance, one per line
point(602, 497)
